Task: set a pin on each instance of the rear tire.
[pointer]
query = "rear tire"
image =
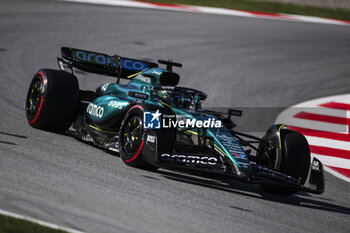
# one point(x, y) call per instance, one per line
point(52, 100)
point(295, 161)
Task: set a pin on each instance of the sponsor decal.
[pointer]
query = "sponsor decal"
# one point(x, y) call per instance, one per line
point(315, 165)
point(138, 95)
point(95, 110)
point(104, 87)
point(105, 60)
point(93, 57)
point(115, 104)
point(273, 173)
point(133, 64)
point(194, 159)
point(143, 78)
point(244, 165)
point(240, 155)
point(231, 144)
point(151, 138)
point(151, 120)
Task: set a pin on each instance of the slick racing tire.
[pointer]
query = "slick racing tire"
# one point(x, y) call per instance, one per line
point(52, 100)
point(295, 161)
point(131, 139)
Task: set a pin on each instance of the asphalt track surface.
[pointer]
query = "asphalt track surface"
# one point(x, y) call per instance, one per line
point(238, 61)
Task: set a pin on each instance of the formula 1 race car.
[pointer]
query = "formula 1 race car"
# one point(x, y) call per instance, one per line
point(154, 123)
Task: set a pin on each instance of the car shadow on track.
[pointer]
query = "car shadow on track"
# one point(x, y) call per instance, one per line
point(227, 184)
point(11, 135)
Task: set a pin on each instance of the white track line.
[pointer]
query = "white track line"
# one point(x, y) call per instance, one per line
point(312, 106)
point(317, 125)
point(333, 161)
point(312, 103)
point(46, 224)
point(334, 173)
point(320, 111)
point(214, 10)
point(325, 142)
point(323, 111)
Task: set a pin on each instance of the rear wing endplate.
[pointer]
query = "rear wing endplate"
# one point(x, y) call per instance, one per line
point(99, 63)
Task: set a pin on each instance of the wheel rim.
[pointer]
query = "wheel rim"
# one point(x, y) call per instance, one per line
point(34, 98)
point(132, 136)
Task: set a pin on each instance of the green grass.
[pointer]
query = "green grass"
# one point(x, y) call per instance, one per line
point(266, 6)
point(15, 225)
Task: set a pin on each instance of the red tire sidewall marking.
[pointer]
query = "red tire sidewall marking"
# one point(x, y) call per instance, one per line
point(141, 146)
point(42, 97)
point(137, 154)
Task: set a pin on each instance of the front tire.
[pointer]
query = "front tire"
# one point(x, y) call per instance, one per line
point(131, 139)
point(52, 100)
point(295, 161)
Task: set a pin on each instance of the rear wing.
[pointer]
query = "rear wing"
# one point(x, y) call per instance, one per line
point(99, 63)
